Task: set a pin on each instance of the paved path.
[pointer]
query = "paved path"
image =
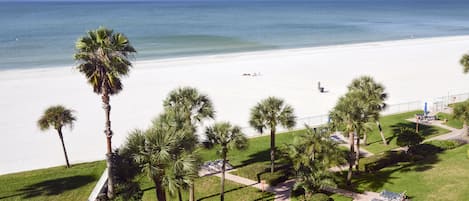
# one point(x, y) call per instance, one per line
point(453, 134)
point(366, 196)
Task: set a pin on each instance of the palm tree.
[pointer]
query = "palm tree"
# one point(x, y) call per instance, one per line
point(160, 153)
point(228, 137)
point(195, 106)
point(348, 113)
point(374, 97)
point(103, 57)
point(192, 107)
point(313, 180)
point(311, 154)
point(461, 111)
point(465, 63)
point(57, 117)
point(268, 114)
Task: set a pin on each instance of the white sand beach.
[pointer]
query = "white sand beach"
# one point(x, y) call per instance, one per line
point(417, 69)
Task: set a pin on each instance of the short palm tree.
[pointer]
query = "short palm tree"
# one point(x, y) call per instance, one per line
point(314, 179)
point(228, 137)
point(103, 57)
point(57, 117)
point(192, 107)
point(159, 152)
point(373, 96)
point(465, 63)
point(461, 111)
point(311, 154)
point(268, 114)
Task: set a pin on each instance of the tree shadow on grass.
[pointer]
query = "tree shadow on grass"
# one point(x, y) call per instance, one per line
point(52, 187)
point(374, 181)
point(218, 194)
point(424, 130)
point(261, 156)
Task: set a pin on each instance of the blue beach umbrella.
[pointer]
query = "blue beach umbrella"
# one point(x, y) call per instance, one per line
point(425, 109)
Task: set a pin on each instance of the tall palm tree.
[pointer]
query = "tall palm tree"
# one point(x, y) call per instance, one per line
point(57, 117)
point(373, 96)
point(192, 107)
point(228, 137)
point(461, 111)
point(348, 113)
point(103, 57)
point(268, 114)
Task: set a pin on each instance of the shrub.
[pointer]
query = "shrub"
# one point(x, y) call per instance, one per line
point(128, 192)
point(319, 197)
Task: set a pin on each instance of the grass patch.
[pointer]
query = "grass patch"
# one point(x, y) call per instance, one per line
point(208, 189)
point(452, 122)
point(437, 177)
point(57, 183)
point(258, 150)
point(391, 125)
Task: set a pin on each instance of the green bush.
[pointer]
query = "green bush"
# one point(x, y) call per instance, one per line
point(277, 177)
point(379, 161)
point(319, 197)
point(128, 192)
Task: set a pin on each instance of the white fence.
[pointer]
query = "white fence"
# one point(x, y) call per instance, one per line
point(98, 188)
point(439, 104)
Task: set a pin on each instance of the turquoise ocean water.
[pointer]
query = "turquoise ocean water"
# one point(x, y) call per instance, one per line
point(42, 34)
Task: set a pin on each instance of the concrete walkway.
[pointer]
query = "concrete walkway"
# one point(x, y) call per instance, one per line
point(454, 134)
point(366, 196)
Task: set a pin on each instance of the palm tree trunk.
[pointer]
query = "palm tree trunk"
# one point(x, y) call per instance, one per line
point(351, 158)
point(222, 192)
point(381, 133)
point(272, 150)
point(179, 194)
point(191, 192)
point(160, 192)
point(365, 139)
point(59, 130)
point(417, 125)
point(109, 155)
point(357, 155)
point(464, 128)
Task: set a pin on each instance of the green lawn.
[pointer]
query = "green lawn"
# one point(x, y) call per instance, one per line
point(438, 177)
point(452, 122)
point(208, 189)
point(57, 183)
point(258, 150)
point(391, 125)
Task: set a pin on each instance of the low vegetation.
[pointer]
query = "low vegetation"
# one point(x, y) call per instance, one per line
point(449, 120)
point(440, 176)
point(57, 183)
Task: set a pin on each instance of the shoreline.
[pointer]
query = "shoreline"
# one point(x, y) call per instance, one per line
point(414, 69)
point(315, 49)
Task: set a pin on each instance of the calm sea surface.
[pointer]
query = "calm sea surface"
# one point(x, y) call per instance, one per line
point(34, 35)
